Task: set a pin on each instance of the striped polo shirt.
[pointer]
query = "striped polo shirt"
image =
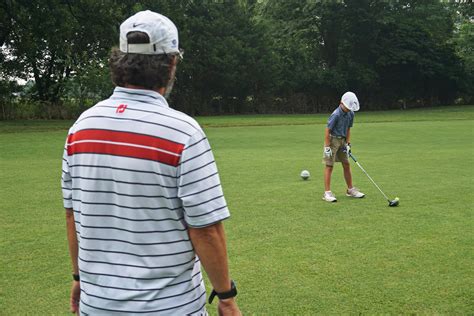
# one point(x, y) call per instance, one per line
point(137, 174)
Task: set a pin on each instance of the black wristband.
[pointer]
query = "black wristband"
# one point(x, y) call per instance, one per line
point(76, 277)
point(224, 295)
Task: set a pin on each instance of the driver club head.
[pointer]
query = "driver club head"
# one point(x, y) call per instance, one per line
point(394, 202)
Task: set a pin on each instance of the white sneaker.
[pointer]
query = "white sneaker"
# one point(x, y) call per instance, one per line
point(354, 192)
point(329, 197)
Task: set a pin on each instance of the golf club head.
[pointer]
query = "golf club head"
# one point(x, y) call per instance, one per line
point(393, 203)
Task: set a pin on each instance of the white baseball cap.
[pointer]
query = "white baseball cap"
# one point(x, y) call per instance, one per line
point(162, 32)
point(350, 101)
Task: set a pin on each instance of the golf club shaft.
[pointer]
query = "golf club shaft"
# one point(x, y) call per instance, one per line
point(372, 181)
point(370, 178)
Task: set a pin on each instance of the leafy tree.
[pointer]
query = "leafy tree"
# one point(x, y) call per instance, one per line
point(416, 59)
point(371, 47)
point(224, 56)
point(54, 39)
point(251, 55)
point(464, 41)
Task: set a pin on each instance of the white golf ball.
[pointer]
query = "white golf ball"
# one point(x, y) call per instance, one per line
point(305, 174)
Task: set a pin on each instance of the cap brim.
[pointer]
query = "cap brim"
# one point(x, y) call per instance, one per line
point(354, 109)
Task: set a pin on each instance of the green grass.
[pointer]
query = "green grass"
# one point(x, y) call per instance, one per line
point(290, 252)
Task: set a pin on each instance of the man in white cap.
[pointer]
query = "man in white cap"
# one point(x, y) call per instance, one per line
point(144, 203)
point(337, 145)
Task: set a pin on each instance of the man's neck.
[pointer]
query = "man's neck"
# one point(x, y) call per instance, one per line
point(159, 90)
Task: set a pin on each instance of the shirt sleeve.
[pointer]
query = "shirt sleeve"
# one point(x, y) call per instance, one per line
point(199, 186)
point(351, 121)
point(332, 120)
point(66, 181)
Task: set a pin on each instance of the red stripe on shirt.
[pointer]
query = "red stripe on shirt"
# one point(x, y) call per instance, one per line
point(123, 151)
point(128, 138)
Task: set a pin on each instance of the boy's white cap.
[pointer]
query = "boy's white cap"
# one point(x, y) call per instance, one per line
point(350, 101)
point(162, 32)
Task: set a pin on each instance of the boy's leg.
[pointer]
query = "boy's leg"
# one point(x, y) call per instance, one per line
point(343, 158)
point(328, 196)
point(329, 163)
point(327, 178)
point(347, 173)
point(351, 191)
point(328, 167)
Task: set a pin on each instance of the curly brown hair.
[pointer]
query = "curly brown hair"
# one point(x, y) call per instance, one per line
point(148, 71)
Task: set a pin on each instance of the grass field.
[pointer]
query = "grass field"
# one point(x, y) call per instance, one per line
point(290, 252)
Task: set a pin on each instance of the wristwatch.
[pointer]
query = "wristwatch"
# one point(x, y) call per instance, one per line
point(76, 277)
point(224, 295)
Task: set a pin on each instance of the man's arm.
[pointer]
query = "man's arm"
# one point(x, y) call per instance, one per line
point(210, 245)
point(73, 252)
point(72, 239)
point(348, 135)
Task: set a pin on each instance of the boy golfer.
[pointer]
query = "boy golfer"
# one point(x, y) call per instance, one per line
point(337, 145)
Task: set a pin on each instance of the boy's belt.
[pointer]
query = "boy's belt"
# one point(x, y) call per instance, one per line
point(340, 137)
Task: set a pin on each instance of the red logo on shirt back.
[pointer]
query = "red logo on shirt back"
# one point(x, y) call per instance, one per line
point(121, 108)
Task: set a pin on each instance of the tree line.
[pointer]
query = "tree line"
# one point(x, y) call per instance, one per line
point(244, 56)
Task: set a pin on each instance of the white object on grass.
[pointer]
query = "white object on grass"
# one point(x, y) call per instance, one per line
point(305, 174)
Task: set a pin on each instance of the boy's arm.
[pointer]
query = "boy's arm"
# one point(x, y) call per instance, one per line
point(327, 142)
point(348, 136)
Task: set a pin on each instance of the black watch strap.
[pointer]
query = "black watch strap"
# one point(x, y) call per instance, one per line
point(76, 277)
point(224, 295)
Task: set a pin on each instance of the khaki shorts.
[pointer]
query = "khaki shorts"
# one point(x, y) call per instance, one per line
point(338, 155)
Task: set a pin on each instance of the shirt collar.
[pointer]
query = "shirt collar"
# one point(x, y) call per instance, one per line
point(342, 111)
point(140, 95)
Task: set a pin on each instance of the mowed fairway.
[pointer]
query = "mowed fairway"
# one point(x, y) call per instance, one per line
point(290, 252)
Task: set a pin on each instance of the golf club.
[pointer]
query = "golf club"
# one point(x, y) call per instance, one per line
point(393, 202)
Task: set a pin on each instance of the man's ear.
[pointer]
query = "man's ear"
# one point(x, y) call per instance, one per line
point(172, 68)
point(174, 60)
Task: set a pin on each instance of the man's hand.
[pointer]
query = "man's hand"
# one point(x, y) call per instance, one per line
point(327, 152)
point(228, 307)
point(348, 148)
point(75, 296)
